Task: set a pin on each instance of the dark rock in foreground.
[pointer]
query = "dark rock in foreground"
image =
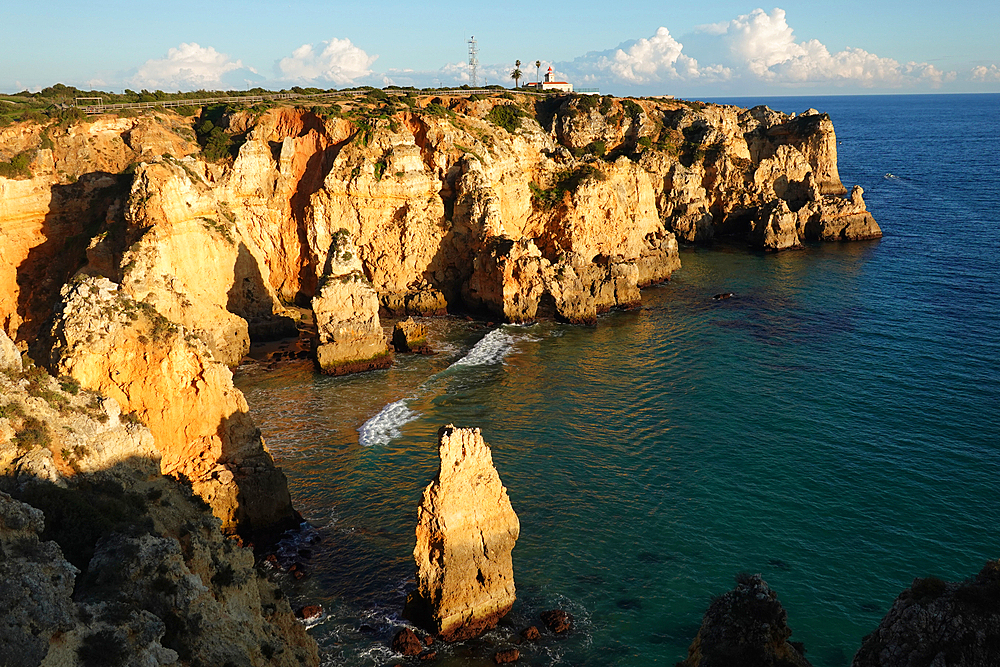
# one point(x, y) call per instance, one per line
point(939, 623)
point(746, 627)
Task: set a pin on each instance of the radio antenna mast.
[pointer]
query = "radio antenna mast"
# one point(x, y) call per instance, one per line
point(473, 63)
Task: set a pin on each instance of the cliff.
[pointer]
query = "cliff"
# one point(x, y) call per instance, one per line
point(142, 269)
point(105, 561)
point(523, 207)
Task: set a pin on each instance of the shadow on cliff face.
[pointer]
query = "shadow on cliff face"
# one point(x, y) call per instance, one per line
point(155, 573)
point(249, 298)
point(92, 507)
point(316, 169)
point(78, 212)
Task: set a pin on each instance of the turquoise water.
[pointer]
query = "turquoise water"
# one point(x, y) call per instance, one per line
point(834, 426)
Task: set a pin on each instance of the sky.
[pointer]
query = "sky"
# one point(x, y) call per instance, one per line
point(638, 47)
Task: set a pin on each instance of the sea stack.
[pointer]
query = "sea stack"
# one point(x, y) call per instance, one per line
point(466, 529)
point(349, 335)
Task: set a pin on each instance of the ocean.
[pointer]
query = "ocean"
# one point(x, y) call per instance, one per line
point(835, 426)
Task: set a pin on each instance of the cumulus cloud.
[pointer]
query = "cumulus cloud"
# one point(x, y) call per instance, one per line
point(337, 61)
point(986, 74)
point(187, 66)
point(762, 46)
point(759, 47)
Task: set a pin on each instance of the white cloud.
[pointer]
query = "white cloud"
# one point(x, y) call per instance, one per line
point(985, 74)
point(187, 66)
point(657, 58)
point(337, 61)
point(754, 48)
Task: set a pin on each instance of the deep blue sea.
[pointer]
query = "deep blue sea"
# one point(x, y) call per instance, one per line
point(835, 426)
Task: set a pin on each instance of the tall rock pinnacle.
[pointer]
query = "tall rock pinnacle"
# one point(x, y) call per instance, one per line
point(466, 529)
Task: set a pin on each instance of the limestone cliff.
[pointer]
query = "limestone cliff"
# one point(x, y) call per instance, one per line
point(520, 206)
point(466, 529)
point(105, 561)
point(166, 377)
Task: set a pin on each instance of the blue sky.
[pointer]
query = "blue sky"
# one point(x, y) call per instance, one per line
point(625, 48)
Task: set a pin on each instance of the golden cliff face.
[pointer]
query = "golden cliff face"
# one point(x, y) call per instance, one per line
point(522, 207)
point(166, 378)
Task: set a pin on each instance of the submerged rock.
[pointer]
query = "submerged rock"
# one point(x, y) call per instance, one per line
point(466, 529)
point(747, 627)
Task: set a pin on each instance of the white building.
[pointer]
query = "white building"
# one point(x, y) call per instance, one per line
point(550, 83)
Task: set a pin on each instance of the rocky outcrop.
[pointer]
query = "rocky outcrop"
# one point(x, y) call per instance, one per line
point(10, 356)
point(78, 186)
point(410, 336)
point(349, 335)
point(466, 529)
point(167, 378)
point(103, 560)
point(748, 627)
point(939, 623)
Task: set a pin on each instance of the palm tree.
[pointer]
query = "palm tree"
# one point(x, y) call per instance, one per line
point(538, 67)
point(516, 74)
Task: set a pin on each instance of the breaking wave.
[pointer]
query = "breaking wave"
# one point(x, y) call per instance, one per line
point(492, 349)
point(383, 427)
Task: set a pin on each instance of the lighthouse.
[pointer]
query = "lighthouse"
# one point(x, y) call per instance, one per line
point(550, 83)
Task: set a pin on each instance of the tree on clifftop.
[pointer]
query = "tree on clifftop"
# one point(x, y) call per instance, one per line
point(516, 74)
point(538, 67)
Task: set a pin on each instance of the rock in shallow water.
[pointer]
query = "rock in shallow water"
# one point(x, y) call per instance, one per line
point(466, 529)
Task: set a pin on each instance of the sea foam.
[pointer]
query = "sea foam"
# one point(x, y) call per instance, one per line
point(383, 427)
point(492, 349)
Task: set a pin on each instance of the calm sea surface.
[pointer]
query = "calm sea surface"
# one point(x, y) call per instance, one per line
point(835, 426)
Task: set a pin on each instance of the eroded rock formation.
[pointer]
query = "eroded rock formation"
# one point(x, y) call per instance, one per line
point(166, 377)
point(939, 623)
point(410, 336)
point(466, 529)
point(349, 334)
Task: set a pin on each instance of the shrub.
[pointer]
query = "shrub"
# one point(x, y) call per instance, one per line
point(17, 166)
point(568, 181)
point(631, 108)
point(506, 116)
point(33, 433)
point(70, 385)
point(597, 147)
